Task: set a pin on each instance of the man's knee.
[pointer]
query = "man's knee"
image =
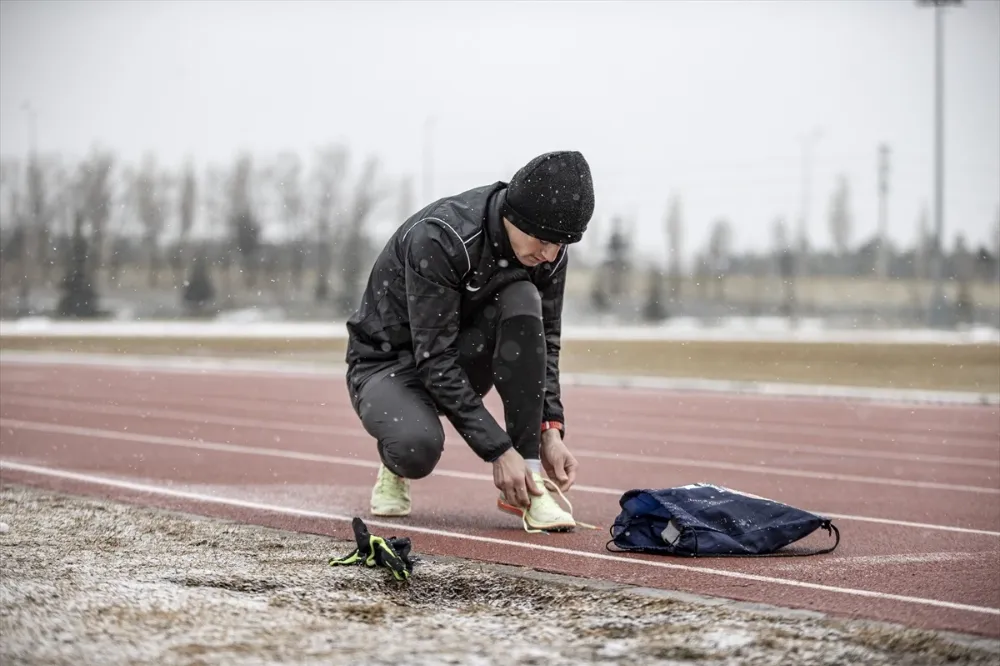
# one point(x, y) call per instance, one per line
point(520, 298)
point(413, 455)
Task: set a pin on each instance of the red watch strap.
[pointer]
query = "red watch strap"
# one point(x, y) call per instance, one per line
point(548, 425)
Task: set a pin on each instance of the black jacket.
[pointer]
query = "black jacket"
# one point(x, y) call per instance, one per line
point(437, 269)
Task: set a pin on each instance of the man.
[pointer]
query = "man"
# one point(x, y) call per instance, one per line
point(466, 295)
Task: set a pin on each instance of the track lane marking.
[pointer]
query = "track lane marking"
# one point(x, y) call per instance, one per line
point(586, 453)
point(354, 462)
point(888, 399)
point(271, 508)
point(966, 439)
point(136, 409)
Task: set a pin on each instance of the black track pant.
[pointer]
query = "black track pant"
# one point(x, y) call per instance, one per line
point(500, 348)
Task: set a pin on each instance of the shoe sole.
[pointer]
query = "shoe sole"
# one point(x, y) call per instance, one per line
point(390, 514)
point(551, 527)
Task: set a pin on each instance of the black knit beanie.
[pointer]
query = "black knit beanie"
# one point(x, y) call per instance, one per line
point(551, 197)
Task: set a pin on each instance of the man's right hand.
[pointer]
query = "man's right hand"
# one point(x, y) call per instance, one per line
point(513, 478)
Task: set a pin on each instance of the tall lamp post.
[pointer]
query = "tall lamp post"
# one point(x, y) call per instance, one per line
point(935, 311)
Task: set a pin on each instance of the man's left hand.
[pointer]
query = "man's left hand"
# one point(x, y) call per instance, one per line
point(559, 463)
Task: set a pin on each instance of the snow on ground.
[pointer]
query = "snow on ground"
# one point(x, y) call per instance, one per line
point(93, 581)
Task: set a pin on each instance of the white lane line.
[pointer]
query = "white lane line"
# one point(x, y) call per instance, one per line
point(37, 400)
point(203, 418)
point(585, 453)
point(271, 508)
point(901, 560)
point(712, 389)
point(781, 471)
point(746, 390)
point(963, 440)
point(907, 523)
point(914, 558)
point(754, 427)
point(372, 464)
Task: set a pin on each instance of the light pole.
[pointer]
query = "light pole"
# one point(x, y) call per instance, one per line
point(935, 311)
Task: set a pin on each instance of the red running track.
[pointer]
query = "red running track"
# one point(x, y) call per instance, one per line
point(913, 489)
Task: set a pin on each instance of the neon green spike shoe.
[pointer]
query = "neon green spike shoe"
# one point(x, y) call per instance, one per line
point(544, 514)
point(390, 495)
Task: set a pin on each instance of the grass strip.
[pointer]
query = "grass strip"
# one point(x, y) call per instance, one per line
point(903, 366)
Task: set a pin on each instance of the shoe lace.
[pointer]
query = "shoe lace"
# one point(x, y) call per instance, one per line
point(388, 482)
point(549, 483)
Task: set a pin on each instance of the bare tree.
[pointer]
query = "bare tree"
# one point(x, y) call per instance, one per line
point(79, 297)
point(90, 208)
point(675, 249)
point(720, 247)
point(82, 199)
point(779, 236)
point(995, 244)
point(9, 169)
point(784, 262)
point(188, 201)
point(243, 223)
point(266, 202)
point(40, 212)
point(327, 183)
point(30, 211)
point(15, 246)
point(149, 206)
point(216, 227)
point(406, 197)
point(613, 278)
point(288, 173)
point(923, 247)
point(55, 219)
point(121, 223)
point(964, 271)
point(63, 199)
point(354, 242)
point(840, 218)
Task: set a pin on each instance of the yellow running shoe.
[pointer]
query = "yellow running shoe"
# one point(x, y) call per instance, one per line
point(391, 494)
point(544, 514)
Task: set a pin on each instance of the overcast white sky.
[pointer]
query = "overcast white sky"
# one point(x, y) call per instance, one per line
point(708, 99)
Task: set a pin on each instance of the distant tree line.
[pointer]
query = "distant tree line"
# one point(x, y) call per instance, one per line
point(849, 257)
point(253, 225)
point(288, 227)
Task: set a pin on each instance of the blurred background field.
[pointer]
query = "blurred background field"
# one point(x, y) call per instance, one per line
point(792, 192)
point(926, 366)
point(71, 256)
point(842, 215)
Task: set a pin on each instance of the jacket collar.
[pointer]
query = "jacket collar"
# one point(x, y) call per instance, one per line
point(496, 232)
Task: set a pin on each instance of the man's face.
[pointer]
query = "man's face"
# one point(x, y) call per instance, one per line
point(529, 250)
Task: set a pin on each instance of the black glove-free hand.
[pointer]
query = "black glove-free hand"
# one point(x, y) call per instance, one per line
point(392, 553)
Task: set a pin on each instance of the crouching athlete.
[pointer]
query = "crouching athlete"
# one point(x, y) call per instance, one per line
point(467, 295)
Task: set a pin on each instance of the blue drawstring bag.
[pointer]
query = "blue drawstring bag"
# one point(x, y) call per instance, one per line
point(704, 520)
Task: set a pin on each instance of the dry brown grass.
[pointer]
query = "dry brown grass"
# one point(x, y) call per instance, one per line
point(920, 366)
